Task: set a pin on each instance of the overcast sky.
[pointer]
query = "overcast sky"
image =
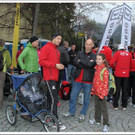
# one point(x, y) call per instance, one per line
point(102, 16)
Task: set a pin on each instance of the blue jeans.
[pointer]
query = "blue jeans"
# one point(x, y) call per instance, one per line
point(77, 86)
point(71, 70)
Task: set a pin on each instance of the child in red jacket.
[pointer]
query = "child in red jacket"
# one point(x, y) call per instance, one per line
point(100, 90)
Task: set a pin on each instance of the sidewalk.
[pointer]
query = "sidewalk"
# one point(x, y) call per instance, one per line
point(120, 121)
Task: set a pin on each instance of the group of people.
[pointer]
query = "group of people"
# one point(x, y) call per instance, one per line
point(123, 65)
point(83, 70)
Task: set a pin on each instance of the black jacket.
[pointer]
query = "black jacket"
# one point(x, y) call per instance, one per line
point(64, 57)
point(86, 65)
point(72, 56)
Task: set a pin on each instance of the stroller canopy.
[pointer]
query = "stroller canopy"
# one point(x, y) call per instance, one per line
point(18, 80)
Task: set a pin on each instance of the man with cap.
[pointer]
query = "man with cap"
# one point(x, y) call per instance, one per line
point(121, 62)
point(50, 62)
point(30, 56)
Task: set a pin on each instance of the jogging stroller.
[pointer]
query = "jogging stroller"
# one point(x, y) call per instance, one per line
point(29, 91)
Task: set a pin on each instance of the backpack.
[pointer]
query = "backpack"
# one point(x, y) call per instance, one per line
point(65, 90)
point(2, 59)
point(112, 86)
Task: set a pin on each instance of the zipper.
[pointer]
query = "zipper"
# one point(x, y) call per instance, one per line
point(57, 59)
point(57, 54)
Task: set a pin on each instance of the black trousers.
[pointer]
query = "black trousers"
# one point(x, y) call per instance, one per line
point(121, 82)
point(132, 86)
point(52, 97)
point(19, 69)
point(61, 74)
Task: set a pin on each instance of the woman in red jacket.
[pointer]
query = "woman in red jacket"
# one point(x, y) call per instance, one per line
point(17, 55)
point(107, 51)
point(100, 90)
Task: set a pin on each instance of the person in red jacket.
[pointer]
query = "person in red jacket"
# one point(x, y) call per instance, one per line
point(121, 62)
point(100, 90)
point(130, 50)
point(95, 48)
point(17, 55)
point(50, 62)
point(132, 77)
point(107, 51)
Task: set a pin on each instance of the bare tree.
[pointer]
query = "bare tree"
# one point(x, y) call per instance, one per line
point(36, 19)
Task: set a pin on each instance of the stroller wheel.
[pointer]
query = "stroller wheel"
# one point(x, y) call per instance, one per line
point(51, 123)
point(11, 115)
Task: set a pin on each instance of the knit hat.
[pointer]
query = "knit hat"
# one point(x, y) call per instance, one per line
point(121, 47)
point(55, 35)
point(33, 38)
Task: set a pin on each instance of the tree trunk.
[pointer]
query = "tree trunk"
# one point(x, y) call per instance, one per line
point(35, 24)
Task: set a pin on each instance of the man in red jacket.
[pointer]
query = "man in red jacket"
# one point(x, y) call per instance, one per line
point(121, 62)
point(50, 62)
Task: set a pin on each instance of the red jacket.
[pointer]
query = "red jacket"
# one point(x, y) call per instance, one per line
point(121, 62)
point(49, 57)
point(100, 88)
point(132, 68)
point(17, 55)
point(107, 51)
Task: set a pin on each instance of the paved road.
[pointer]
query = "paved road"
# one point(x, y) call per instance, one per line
point(120, 121)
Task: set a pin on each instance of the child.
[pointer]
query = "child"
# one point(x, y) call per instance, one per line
point(100, 90)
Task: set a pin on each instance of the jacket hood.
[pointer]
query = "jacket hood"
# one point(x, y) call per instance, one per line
point(29, 45)
point(104, 47)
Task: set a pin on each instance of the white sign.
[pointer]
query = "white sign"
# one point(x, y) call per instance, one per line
point(118, 14)
point(126, 27)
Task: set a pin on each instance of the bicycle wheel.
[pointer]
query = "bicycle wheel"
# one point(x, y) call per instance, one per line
point(11, 115)
point(51, 123)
